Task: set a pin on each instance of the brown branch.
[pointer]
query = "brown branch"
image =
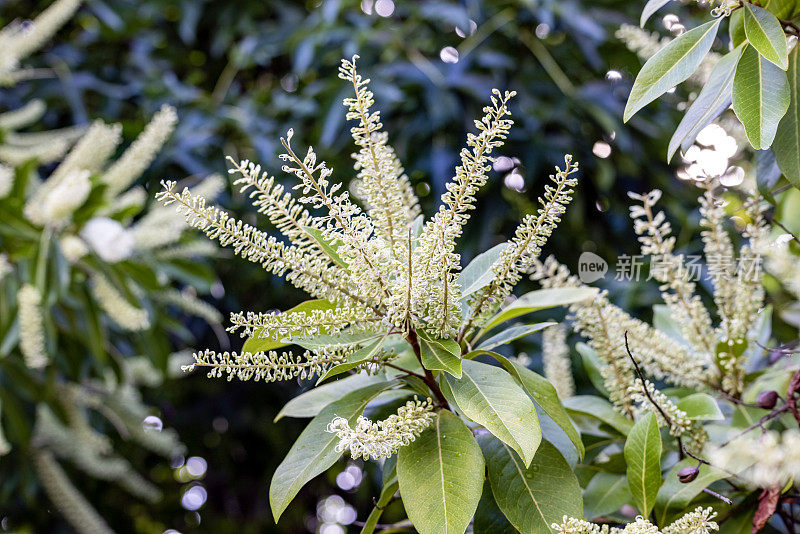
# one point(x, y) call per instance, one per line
point(430, 381)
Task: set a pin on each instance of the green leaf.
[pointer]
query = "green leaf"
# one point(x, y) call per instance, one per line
point(543, 394)
point(761, 97)
point(390, 487)
point(767, 172)
point(675, 495)
point(606, 493)
point(259, 343)
point(491, 397)
point(643, 456)
point(701, 406)
point(439, 354)
point(765, 34)
point(314, 452)
point(670, 66)
point(532, 498)
point(787, 141)
point(782, 9)
point(651, 7)
point(512, 334)
point(325, 340)
point(328, 246)
point(478, 273)
point(539, 300)
point(312, 401)
point(712, 100)
point(354, 360)
point(600, 409)
point(592, 365)
point(736, 28)
point(441, 476)
point(489, 519)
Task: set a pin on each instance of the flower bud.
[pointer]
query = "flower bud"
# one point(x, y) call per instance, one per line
point(767, 399)
point(687, 474)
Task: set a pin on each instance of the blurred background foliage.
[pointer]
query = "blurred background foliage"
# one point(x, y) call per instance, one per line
point(242, 73)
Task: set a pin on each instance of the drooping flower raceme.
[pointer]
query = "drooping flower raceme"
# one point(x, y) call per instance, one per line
point(382, 439)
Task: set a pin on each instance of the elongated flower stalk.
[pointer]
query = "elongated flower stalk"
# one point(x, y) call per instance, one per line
point(268, 366)
point(555, 357)
point(383, 439)
point(66, 497)
point(18, 42)
point(117, 307)
point(31, 327)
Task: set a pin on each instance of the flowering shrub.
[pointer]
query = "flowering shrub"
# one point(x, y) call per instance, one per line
point(88, 277)
point(395, 311)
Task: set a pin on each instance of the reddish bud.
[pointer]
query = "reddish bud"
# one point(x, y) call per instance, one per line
point(687, 474)
point(767, 399)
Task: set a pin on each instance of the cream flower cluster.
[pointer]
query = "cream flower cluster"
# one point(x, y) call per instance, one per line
point(679, 423)
point(384, 438)
point(738, 293)
point(301, 323)
point(268, 366)
point(18, 41)
point(117, 307)
point(605, 326)
point(555, 357)
point(762, 460)
point(382, 266)
point(697, 522)
point(31, 327)
point(66, 497)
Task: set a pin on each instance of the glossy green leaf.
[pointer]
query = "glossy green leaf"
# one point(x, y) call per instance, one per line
point(651, 7)
point(783, 9)
point(701, 406)
point(606, 493)
point(312, 401)
point(439, 354)
point(489, 519)
point(491, 397)
point(535, 497)
point(441, 476)
point(478, 273)
point(786, 147)
point(600, 409)
point(263, 341)
point(765, 33)
point(328, 246)
point(643, 456)
point(314, 452)
point(540, 299)
point(674, 496)
point(512, 334)
point(761, 97)
point(736, 28)
point(592, 365)
point(365, 353)
point(670, 66)
point(543, 394)
point(709, 104)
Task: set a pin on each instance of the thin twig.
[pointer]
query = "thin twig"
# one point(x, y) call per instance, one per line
point(667, 419)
